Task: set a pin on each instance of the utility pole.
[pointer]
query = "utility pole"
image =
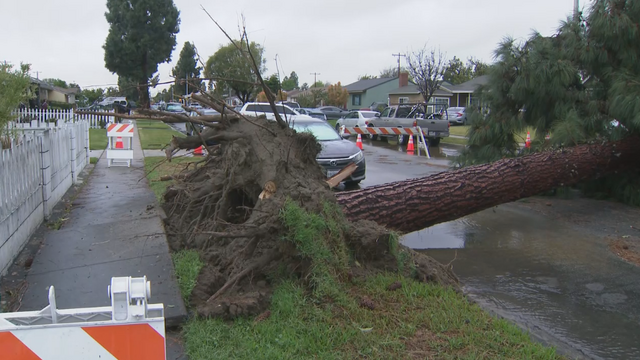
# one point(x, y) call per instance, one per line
point(315, 78)
point(576, 10)
point(37, 73)
point(398, 55)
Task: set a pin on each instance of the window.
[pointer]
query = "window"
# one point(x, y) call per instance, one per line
point(385, 112)
point(403, 100)
point(321, 130)
point(355, 99)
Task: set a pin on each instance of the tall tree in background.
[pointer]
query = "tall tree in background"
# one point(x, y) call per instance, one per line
point(142, 34)
point(129, 88)
point(337, 95)
point(186, 68)
point(273, 83)
point(457, 72)
point(367, 77)
point(290, 82)
point(426, 67)
point(236, 70)
point(57, 82)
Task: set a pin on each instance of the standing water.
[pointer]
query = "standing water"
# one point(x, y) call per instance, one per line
point(554, 278)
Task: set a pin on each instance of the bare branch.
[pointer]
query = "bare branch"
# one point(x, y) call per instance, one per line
point(427, 66)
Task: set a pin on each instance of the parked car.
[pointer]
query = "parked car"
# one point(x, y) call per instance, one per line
point(314, 113)
point(378, 106)
point(258, 109)
point(189, 127)
point(333, 112)
point(336, 152)
point(456, 115)
point(358, 118)
point(411, 116)
point(175, 108)
point(291, 104)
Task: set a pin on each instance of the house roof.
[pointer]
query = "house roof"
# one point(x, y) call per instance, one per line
point(65, 91)
point(364, 85)
point(471, 85)
point(42, 84)
point(413, 89)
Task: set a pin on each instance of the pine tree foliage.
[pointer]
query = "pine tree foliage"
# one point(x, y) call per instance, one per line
point(580, 85)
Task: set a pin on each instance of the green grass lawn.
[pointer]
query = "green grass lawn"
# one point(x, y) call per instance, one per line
point(156, 166)
point(460, 130)
point(332, 123)
point(417, 321)
point(155, 134)
point(98, 139)
point(453, 141)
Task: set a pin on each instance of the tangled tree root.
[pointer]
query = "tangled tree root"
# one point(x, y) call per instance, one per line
point(260, 206)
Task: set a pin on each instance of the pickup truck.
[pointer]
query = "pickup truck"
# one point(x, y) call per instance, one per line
point(410, 116)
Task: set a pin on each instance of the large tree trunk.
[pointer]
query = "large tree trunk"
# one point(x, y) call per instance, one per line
point(415, 204)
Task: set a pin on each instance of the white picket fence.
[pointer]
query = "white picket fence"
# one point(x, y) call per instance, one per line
point(35, 172)
point(44, 118)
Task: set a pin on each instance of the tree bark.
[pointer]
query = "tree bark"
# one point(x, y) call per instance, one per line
point(415, 204)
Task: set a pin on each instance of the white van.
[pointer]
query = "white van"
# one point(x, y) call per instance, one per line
point(258, 109)
point(114, 101)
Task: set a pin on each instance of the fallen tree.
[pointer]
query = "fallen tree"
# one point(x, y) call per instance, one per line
point(415, 204)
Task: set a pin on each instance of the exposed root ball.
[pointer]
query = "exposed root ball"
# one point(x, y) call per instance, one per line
point(259, 207)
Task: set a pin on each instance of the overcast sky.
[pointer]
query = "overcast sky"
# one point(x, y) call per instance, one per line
point(338, 39)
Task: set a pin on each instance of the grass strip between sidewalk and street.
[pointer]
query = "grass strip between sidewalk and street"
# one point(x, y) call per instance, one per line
point(418, 320)
point(155, 134)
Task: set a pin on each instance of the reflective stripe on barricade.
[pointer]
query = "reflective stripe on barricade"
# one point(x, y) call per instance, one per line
point(128, 329)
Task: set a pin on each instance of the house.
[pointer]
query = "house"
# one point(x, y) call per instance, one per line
point(363, 93)
point(408, 93)
point(295, 94)
point(447, 95)
point(62, 95)
point(463, 93)
point(41, 92)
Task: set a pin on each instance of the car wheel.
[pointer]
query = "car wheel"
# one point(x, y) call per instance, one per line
point(352, 183)
point(434, 141)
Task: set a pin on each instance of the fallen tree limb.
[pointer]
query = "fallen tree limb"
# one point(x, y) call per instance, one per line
point(412, 205)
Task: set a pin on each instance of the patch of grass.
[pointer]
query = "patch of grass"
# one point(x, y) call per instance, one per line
point(98, 139)
point(155, 171)
point(460, 130)
point(332, 123)
point(418, 320)
point(453, 141)
point(155, 134)
point(187, 264)
point(93, 160)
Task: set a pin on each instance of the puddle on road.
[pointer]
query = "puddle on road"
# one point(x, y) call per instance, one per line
point(559, 283)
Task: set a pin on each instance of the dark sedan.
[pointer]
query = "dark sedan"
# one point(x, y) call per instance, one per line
point(336, 152)
point(333, 112)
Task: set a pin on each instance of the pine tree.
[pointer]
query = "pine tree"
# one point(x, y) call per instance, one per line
point(142, 34)
point(187, 69)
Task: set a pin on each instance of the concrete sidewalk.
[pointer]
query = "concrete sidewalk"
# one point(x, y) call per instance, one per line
point(114, 228)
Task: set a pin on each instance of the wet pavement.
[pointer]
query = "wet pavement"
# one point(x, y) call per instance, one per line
point(543, 263)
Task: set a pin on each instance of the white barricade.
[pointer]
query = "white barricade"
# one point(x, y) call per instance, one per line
point(412, 131)
point(120, 146)
point(128, 329)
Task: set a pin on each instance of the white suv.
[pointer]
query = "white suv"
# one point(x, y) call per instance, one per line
point(257, 109)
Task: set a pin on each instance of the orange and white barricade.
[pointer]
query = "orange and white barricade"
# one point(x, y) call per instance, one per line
point(120, 147)
point(418, 132)
point(128, 329)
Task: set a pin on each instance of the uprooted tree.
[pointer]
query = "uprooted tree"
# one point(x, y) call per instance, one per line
point(242, 206)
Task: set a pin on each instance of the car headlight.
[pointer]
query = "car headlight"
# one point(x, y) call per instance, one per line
point(358, 157)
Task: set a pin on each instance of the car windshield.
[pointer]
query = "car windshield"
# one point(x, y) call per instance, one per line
point(174, 107)
point(320, 130)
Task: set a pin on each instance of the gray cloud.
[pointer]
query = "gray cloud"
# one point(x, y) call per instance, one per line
point(339, 39)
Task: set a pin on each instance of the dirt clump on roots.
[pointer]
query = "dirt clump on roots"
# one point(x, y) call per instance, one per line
point(259, 206)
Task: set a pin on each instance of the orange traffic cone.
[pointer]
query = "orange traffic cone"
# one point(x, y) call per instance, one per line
point(359, 142)
point(198, 151)
point(119, 143)
point(410, 147)
point(527, 143)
